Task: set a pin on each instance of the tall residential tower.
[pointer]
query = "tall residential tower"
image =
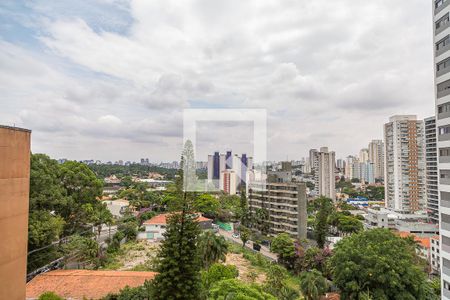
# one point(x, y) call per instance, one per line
point(441, 30)
point(404, 182)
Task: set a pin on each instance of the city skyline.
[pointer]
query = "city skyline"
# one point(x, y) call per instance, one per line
point(83, 100)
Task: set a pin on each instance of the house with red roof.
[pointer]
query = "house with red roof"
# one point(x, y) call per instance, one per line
point(84, 284)
point(156, 226)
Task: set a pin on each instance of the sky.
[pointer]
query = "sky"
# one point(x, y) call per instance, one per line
point(110, 79)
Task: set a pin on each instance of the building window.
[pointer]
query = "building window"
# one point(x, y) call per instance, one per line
point(439, 3)
point(444, 152)
point(444, 130)
point(442, 21)
point(443, 64)
point(442, 88)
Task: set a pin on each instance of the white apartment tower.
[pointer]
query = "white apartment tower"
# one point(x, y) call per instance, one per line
point(404, 183)
point(432, 170)
point(324, 172)
point(376, 155)
point(441, 30)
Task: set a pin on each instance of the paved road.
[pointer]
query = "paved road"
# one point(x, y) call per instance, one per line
point(264, 250)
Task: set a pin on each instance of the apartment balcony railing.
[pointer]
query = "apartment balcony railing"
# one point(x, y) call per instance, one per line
point(444, 137)
point(442, 28)
point(443, 70)
point(441, 7)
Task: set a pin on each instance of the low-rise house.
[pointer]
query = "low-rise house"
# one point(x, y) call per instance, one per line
point(156, 226)
point(435, 258)
point(84, 284)
point(117, 207)
point(423, 244)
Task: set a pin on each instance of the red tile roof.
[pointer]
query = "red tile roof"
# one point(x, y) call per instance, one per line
point(162, 219)
point(79, 284)
point(424, 241)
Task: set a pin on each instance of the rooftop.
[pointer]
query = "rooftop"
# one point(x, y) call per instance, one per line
point(80, 284)
point(14, 128)
point(162, 219)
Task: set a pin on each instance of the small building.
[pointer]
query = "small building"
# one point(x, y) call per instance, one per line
point(84, 284)
point(423, 243)
point(435, 257)
point(117, 207)
point(156, 226)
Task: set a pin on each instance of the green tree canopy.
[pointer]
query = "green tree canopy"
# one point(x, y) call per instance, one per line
point(313, 285)
point(377, 261)
point(232, 289)
point(207, 204)
point(212, 248)
point(284, 247)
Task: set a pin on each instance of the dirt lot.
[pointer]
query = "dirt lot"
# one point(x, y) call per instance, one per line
point(137, 254)
point(247, 272)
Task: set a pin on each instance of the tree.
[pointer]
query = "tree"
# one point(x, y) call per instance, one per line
point(142, 292)
point(313, 285)
point(232, 289)
point(216, 273)
point(321, 227)
point(178, 260)
point(212, 248)
point(49, 296)
point(284, 247)
point(377, 261)
point(43, 229)
point(245, 234)
point(82, 249)
point(261, 220)
point(207, 204)
point(276, 283)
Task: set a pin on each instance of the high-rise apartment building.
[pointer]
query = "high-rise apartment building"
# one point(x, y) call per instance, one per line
point(14, 195)
point(324, 173)
point(376, 155)
point(441, 31)
point(285, 203)
point(218, 163)
point(404, 183)
point(364, 155)
point(349, 167)
point(432, 170)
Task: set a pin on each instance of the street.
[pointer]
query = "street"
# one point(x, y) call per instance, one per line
point(264, 250)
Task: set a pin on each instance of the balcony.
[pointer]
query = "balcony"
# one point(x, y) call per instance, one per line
point(442, 28)
point(443, 115)
point(443, 69)
point(444, 159)
point(444, 137)
point(441, 7)
point(442, 50)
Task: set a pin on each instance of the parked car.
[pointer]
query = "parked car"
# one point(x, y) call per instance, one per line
point(256, 247)
point(235, 235)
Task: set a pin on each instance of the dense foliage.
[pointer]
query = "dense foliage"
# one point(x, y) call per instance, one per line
point(63, 202)
point(104, 170)
point(379, 262)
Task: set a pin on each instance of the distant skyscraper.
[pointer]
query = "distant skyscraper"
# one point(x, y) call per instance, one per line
point(405, 163)
point(228, 181)
point(432, 171)
point(364, 155)
point(376, 155)
point(312, 154)
point(340, 165)
point(349, 167)
point(324, 172)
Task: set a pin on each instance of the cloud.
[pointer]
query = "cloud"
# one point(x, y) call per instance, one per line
point(329, 73)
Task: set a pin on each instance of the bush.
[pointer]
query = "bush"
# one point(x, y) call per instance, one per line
point(50, 296)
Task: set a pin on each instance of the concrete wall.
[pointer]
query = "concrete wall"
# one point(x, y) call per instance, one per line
point(14, 195)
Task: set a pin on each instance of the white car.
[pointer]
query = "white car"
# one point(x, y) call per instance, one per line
point(235, 235)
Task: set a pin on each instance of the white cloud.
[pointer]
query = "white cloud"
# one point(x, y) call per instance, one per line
point(329, 73)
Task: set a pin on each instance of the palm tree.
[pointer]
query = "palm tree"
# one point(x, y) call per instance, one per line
point(212, 248)
point(313, 284)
